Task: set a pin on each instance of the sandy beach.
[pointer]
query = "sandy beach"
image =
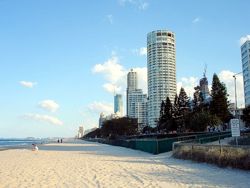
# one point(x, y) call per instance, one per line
point(86, 164)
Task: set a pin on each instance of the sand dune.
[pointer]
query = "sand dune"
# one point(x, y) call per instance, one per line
point(86, 164)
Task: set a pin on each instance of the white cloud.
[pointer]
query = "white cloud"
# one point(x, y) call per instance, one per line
point(44, 118)
point(110, 18)
point(49, 105)
point(196, 20)
point(98, 107)
point(28, 84)
point(226, 76)
point(111, 69)
point(188, 83)
point(140, 4)
point(244, 39)
point(112, 88)
point(114, 74)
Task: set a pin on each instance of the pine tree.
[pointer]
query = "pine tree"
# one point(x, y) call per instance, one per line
point(165, 119)
point(175, 110)
point(183, 105)
point(183, 99)
point(169, 115)
point(198, 101)
point(162, 111)
point(219, 103)
point(162, 114)
point(168, 109)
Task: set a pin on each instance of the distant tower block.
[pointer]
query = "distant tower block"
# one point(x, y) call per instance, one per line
point(80, 132)
point(204, 85)
point(118, 104)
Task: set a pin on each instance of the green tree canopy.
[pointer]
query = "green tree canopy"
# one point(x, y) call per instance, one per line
point(219, 103)
point(201, 120)
point(166, 116)
point(119, 127)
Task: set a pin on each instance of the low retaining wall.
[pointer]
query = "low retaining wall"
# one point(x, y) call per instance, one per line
point(156, 146)
point(222, 155)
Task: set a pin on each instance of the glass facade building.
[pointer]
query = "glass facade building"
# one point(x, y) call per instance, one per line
point(245, 58)
point(118, 104)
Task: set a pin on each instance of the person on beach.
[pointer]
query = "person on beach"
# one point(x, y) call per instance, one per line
point(34, 147)
point(58, 141)
point(61, 140)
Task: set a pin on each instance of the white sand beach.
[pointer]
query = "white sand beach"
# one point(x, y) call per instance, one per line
point(86, 164)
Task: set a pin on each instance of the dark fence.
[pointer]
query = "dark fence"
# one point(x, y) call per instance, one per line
point(156, 145)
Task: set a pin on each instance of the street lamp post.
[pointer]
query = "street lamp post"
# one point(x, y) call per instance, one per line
point(235, 95)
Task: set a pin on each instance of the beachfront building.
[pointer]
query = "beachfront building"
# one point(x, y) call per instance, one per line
point(137, 106)
point(245, 57)
point(118, 104)
point(161, 71)
point(80, 132)
point(132, 84)
point(136, 100)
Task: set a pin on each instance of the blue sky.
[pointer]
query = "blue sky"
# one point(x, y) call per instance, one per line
point(62, 60)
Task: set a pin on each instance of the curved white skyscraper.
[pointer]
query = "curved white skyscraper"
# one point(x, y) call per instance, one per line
point(161, 71)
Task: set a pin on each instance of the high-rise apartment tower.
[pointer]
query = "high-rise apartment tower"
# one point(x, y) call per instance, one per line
point(132, 84)
point(161, 71)
point(136, 100)
point(245, 57)
point(118, 104)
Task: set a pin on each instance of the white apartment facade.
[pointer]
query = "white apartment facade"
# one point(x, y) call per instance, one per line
point(161, 64)
point(132, 84)
point(136, 100)
point(137, 107)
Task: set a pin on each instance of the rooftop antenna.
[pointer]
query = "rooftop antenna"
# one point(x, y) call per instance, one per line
point(114, 90)
point(205, 71)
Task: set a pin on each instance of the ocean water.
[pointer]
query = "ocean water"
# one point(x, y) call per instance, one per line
point(10, 143)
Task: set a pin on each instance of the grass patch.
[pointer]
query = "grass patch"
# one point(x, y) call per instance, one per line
point(223, 156)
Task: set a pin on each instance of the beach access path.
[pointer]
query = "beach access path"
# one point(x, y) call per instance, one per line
point(86, 164)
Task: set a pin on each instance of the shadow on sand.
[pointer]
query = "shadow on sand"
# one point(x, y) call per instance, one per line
point(96, 148)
